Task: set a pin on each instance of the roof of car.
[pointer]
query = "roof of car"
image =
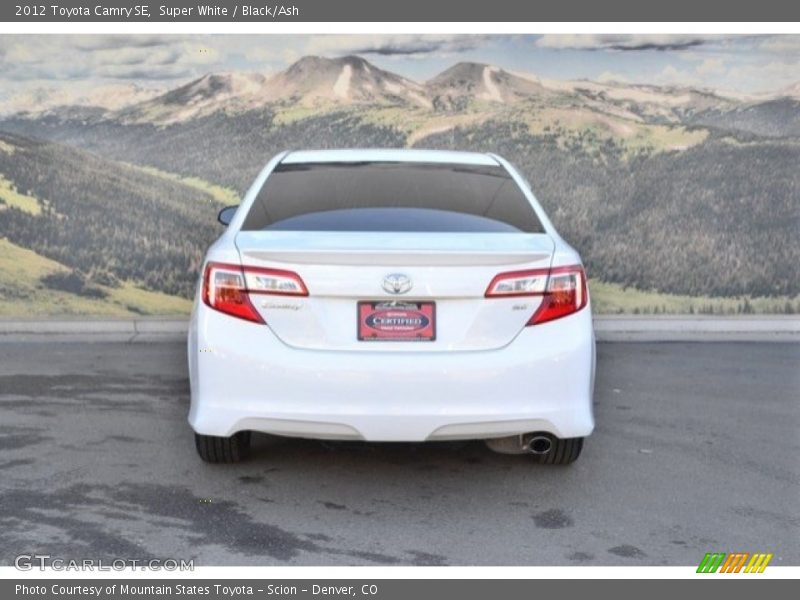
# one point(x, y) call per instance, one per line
point(386, 155)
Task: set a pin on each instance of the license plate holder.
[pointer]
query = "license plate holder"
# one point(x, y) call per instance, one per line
point(396, 321)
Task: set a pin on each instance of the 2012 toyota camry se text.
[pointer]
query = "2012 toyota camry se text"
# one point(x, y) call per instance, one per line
point(392, 295)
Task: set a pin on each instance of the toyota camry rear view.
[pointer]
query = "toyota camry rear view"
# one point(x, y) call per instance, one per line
point(391, 295)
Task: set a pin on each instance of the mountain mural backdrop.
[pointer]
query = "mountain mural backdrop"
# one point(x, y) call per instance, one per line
point(679, 199)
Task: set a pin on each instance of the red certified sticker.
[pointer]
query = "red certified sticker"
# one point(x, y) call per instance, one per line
point(397, 321)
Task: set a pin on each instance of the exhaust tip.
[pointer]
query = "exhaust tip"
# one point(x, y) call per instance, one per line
point(540, 444)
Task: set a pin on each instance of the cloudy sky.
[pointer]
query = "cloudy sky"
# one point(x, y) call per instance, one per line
point(740, 64)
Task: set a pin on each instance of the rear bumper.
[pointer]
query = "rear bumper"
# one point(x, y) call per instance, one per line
point(244, 378)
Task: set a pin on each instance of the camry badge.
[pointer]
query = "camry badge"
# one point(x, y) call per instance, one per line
point(397, 283)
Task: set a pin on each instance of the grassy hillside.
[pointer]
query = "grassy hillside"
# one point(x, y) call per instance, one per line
point(24, 293)
point(717, 219)
point(105, 220)
point(612, 298)
point(227, 149)
point(224, 195)
point(10, 197)
point(700, 216)
point(776, 118)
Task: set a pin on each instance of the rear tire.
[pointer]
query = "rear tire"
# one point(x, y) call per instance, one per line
point(214, 449)
point(562, 452)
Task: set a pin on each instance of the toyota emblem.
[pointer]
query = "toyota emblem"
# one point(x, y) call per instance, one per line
point(397, 283)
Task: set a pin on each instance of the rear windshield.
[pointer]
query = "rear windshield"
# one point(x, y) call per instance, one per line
point(386, 196)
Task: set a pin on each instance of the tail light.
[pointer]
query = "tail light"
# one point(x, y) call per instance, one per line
point(518, 283)
point(227, 287)
point(563, 290)
point(567, 293)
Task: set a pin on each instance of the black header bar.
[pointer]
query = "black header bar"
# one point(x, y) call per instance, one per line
point(186, 11)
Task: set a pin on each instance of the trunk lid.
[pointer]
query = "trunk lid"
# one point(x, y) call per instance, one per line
point(340, 269)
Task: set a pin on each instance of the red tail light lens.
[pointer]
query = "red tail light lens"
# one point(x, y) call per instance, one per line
point(224, 290)
point(563, 290)
point(567, 293)
point(227, 287)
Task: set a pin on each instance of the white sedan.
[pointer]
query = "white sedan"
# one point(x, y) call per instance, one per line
point(391, 295)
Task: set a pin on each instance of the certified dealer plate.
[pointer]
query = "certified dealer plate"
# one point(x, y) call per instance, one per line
point(396, 321)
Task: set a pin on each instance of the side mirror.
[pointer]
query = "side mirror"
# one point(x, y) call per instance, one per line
point(226, 214)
